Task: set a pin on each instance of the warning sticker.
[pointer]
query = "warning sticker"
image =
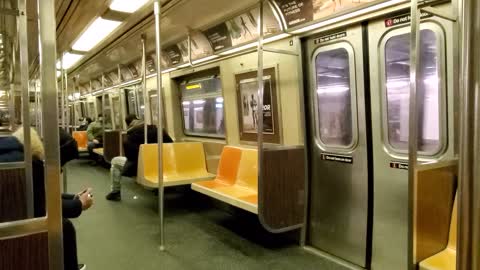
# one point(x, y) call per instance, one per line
point(399, 165)
point(337, 158)
point(330, 37)
point(403, 19)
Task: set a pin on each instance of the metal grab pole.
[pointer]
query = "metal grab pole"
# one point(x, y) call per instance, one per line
point(468, 257)
point(23, 36)
point(48, 78)
point(260, 95)
point(413, 128)
point(103, 107)
point(62, 90)
point(144, 86)
point(158, 12)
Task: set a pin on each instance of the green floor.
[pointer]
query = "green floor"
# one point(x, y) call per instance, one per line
point(125, 235)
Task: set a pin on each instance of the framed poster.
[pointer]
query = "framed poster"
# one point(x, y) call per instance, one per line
point(248, 110)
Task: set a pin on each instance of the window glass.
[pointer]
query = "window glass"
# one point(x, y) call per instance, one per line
point(204, 116)
point(117, 117)
point(397, 68)
point(334, 108)
point(202, 104)
point(91, 110)
point(130, 94)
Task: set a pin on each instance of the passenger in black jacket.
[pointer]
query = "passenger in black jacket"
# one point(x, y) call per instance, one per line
point(11, 150)
point(127, 165)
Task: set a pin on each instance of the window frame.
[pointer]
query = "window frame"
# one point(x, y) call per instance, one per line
point(347, 149)
point(442, 105)
point(191, 98)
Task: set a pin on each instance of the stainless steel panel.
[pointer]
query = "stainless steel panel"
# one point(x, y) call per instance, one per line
point(338, 216)
point(390, 217)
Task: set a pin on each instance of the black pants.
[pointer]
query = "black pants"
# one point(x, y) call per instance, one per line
point(70, 261)
point(90, 147)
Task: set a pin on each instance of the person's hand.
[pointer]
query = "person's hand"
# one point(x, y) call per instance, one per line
point(96, 141)
point(85, 198)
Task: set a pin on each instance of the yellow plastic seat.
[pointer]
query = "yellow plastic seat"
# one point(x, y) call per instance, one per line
point(190, 161)
point(447, 259)
point(237, 179)
point(82, 140)
point(183, 163)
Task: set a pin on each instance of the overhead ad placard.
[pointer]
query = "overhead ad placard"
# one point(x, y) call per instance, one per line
point(297, 12)
point(241, 29)
point(174, 54)
point(219, 37)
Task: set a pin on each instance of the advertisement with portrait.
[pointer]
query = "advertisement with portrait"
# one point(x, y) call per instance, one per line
point(248, 106)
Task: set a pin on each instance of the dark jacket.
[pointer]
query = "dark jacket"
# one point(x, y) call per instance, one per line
point(11, 150)
point(132, 142)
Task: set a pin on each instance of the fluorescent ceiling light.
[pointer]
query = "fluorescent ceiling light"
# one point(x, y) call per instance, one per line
point(128, 6)
point(95, 33)
point(69, 60)
point(205, 59)
point(238, 49)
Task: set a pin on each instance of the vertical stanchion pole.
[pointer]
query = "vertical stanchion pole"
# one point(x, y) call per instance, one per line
point(158, 12)
point(67, 108)
point(144, 87)
point(413, 129)
point(23, 37)
point(48, 78)
point(260, 95)
point(103, 107)
point(468, 257)
point(62, 90)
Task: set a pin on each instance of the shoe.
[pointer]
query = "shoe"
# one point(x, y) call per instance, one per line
point(82, 267)
point(114, 196)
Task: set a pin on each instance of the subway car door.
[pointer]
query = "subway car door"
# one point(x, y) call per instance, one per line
point(338, 154)
point(389, 43)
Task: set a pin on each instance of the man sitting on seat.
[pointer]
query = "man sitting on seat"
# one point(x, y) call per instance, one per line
point(95, 136)
point(127, 165)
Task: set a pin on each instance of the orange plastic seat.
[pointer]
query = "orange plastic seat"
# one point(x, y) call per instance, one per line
point(183, 163)
point(237, 179)
point(447, 259)
point(82, 140)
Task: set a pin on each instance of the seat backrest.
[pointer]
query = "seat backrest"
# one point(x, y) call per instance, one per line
point(247, 175)
point(228, 165)
point(452, 239)
point(190, 157)
point(149, 159)
point(13, 201)
point(111, 145)
point(169, 161)
point(81, 138)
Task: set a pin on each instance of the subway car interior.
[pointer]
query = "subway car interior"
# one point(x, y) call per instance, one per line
point(254, 134)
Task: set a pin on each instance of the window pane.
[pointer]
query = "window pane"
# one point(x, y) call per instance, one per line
point(397, 63)
point(334, 97)
point(204, 116)
point(117, 117)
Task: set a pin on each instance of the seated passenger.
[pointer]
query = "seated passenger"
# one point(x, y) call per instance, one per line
point(127, 165)
point(84, 126)
point(95, 135)
point(11, 150)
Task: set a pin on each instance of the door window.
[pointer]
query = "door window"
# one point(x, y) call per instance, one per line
point(397, 85)
point(334, 97)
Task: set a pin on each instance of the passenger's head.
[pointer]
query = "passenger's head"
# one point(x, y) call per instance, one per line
point(99, 117)
point(89, 120)
point(36, 143)
point(129, 119)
